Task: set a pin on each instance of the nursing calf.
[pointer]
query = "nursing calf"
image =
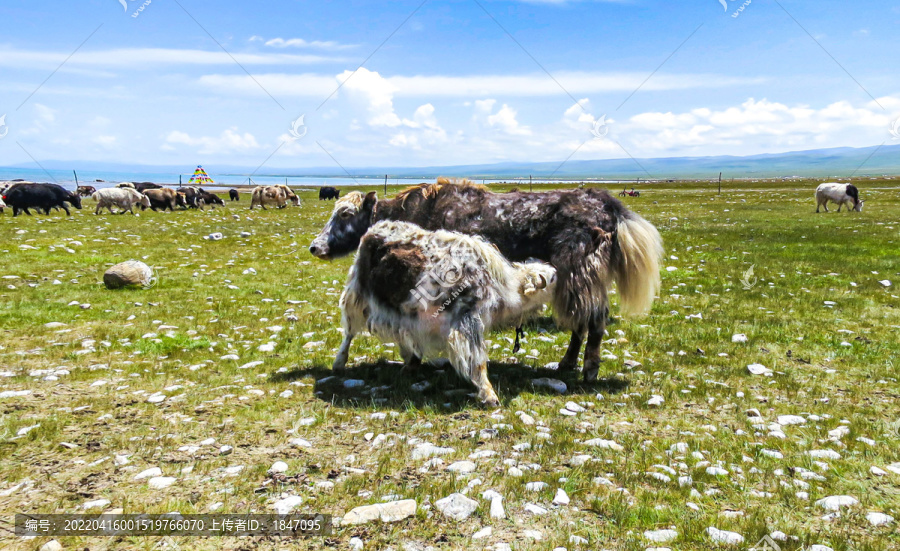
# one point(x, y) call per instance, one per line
point(436, 293)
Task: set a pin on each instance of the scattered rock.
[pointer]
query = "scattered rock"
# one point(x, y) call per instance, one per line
point(877, 519)
point(660, 536)
point(603, 444)
point(391, 511)
point(836, 503)
point(552, 384)
point(462, 467)
point(724, 536)
point(285, 505)
point(787, 420)
point(149, 473)
point(131, 273)
point(561, 497)
point(456, 506)
point(96, 504)
point(160, 482)
point(426, 450)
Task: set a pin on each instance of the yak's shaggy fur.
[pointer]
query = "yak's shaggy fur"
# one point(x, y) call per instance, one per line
point(435, 293)
point(123, 197)
point(838, 193)
point(589, 236)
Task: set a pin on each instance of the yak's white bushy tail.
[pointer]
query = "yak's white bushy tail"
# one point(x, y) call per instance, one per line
point(637, 268)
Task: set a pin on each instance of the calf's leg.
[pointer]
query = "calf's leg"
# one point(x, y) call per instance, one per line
point(411, 362)
point(340, 361)
point(468, 356)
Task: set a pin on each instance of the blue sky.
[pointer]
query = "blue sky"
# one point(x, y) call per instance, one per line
point(444, 83)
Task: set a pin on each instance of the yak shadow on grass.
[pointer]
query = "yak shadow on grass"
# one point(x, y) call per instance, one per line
point(384, 384)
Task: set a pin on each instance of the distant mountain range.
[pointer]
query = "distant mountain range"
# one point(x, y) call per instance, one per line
point(835, 162)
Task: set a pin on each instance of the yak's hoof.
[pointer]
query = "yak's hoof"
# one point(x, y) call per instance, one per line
point(411, 367)
point(491, 403)
point(591, 370)
point(566, 365)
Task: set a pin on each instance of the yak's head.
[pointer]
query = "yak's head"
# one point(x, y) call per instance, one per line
point(349, 221)
point(145, 202)
point(859, 205)
point(74, 200)
point(538, 283)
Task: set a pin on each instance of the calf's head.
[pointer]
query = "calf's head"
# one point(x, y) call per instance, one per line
point(538, 283)
point(349, 221)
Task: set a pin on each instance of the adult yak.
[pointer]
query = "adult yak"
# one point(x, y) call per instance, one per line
point(328, 192)
point(22, 197)
point(589, 236)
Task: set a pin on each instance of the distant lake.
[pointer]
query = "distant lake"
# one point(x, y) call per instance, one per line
point(66, 179)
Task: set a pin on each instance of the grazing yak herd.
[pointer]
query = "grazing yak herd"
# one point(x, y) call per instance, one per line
point(440, 264)
point(23, 196)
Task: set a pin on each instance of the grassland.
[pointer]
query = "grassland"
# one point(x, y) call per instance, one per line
point(263, 300)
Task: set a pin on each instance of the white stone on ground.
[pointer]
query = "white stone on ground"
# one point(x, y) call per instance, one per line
point(160, 482)
point(877, 519)
point(724, 536)
point(391, 511)
point(785, 420)
point(759, 369)
point(278, 467)
point(286, 505)
point(149, 473)
point(496, 503)
point(552, 384)
point(462, 467)
point(456, 506)
point(824, 454)
point(95, 504)
point(561, 497)
point(426, 450)
point(356, 544)
point(835, 503)
point(603, 444)
point(660, 536)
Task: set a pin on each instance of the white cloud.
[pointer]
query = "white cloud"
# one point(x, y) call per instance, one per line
point(374, 93)
point(229, 141)
point(528, 85)
point(505, 120)
point(105, 141)
point(45, 113)
point(300, 43)
point(138, 58)
point(760, 126)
